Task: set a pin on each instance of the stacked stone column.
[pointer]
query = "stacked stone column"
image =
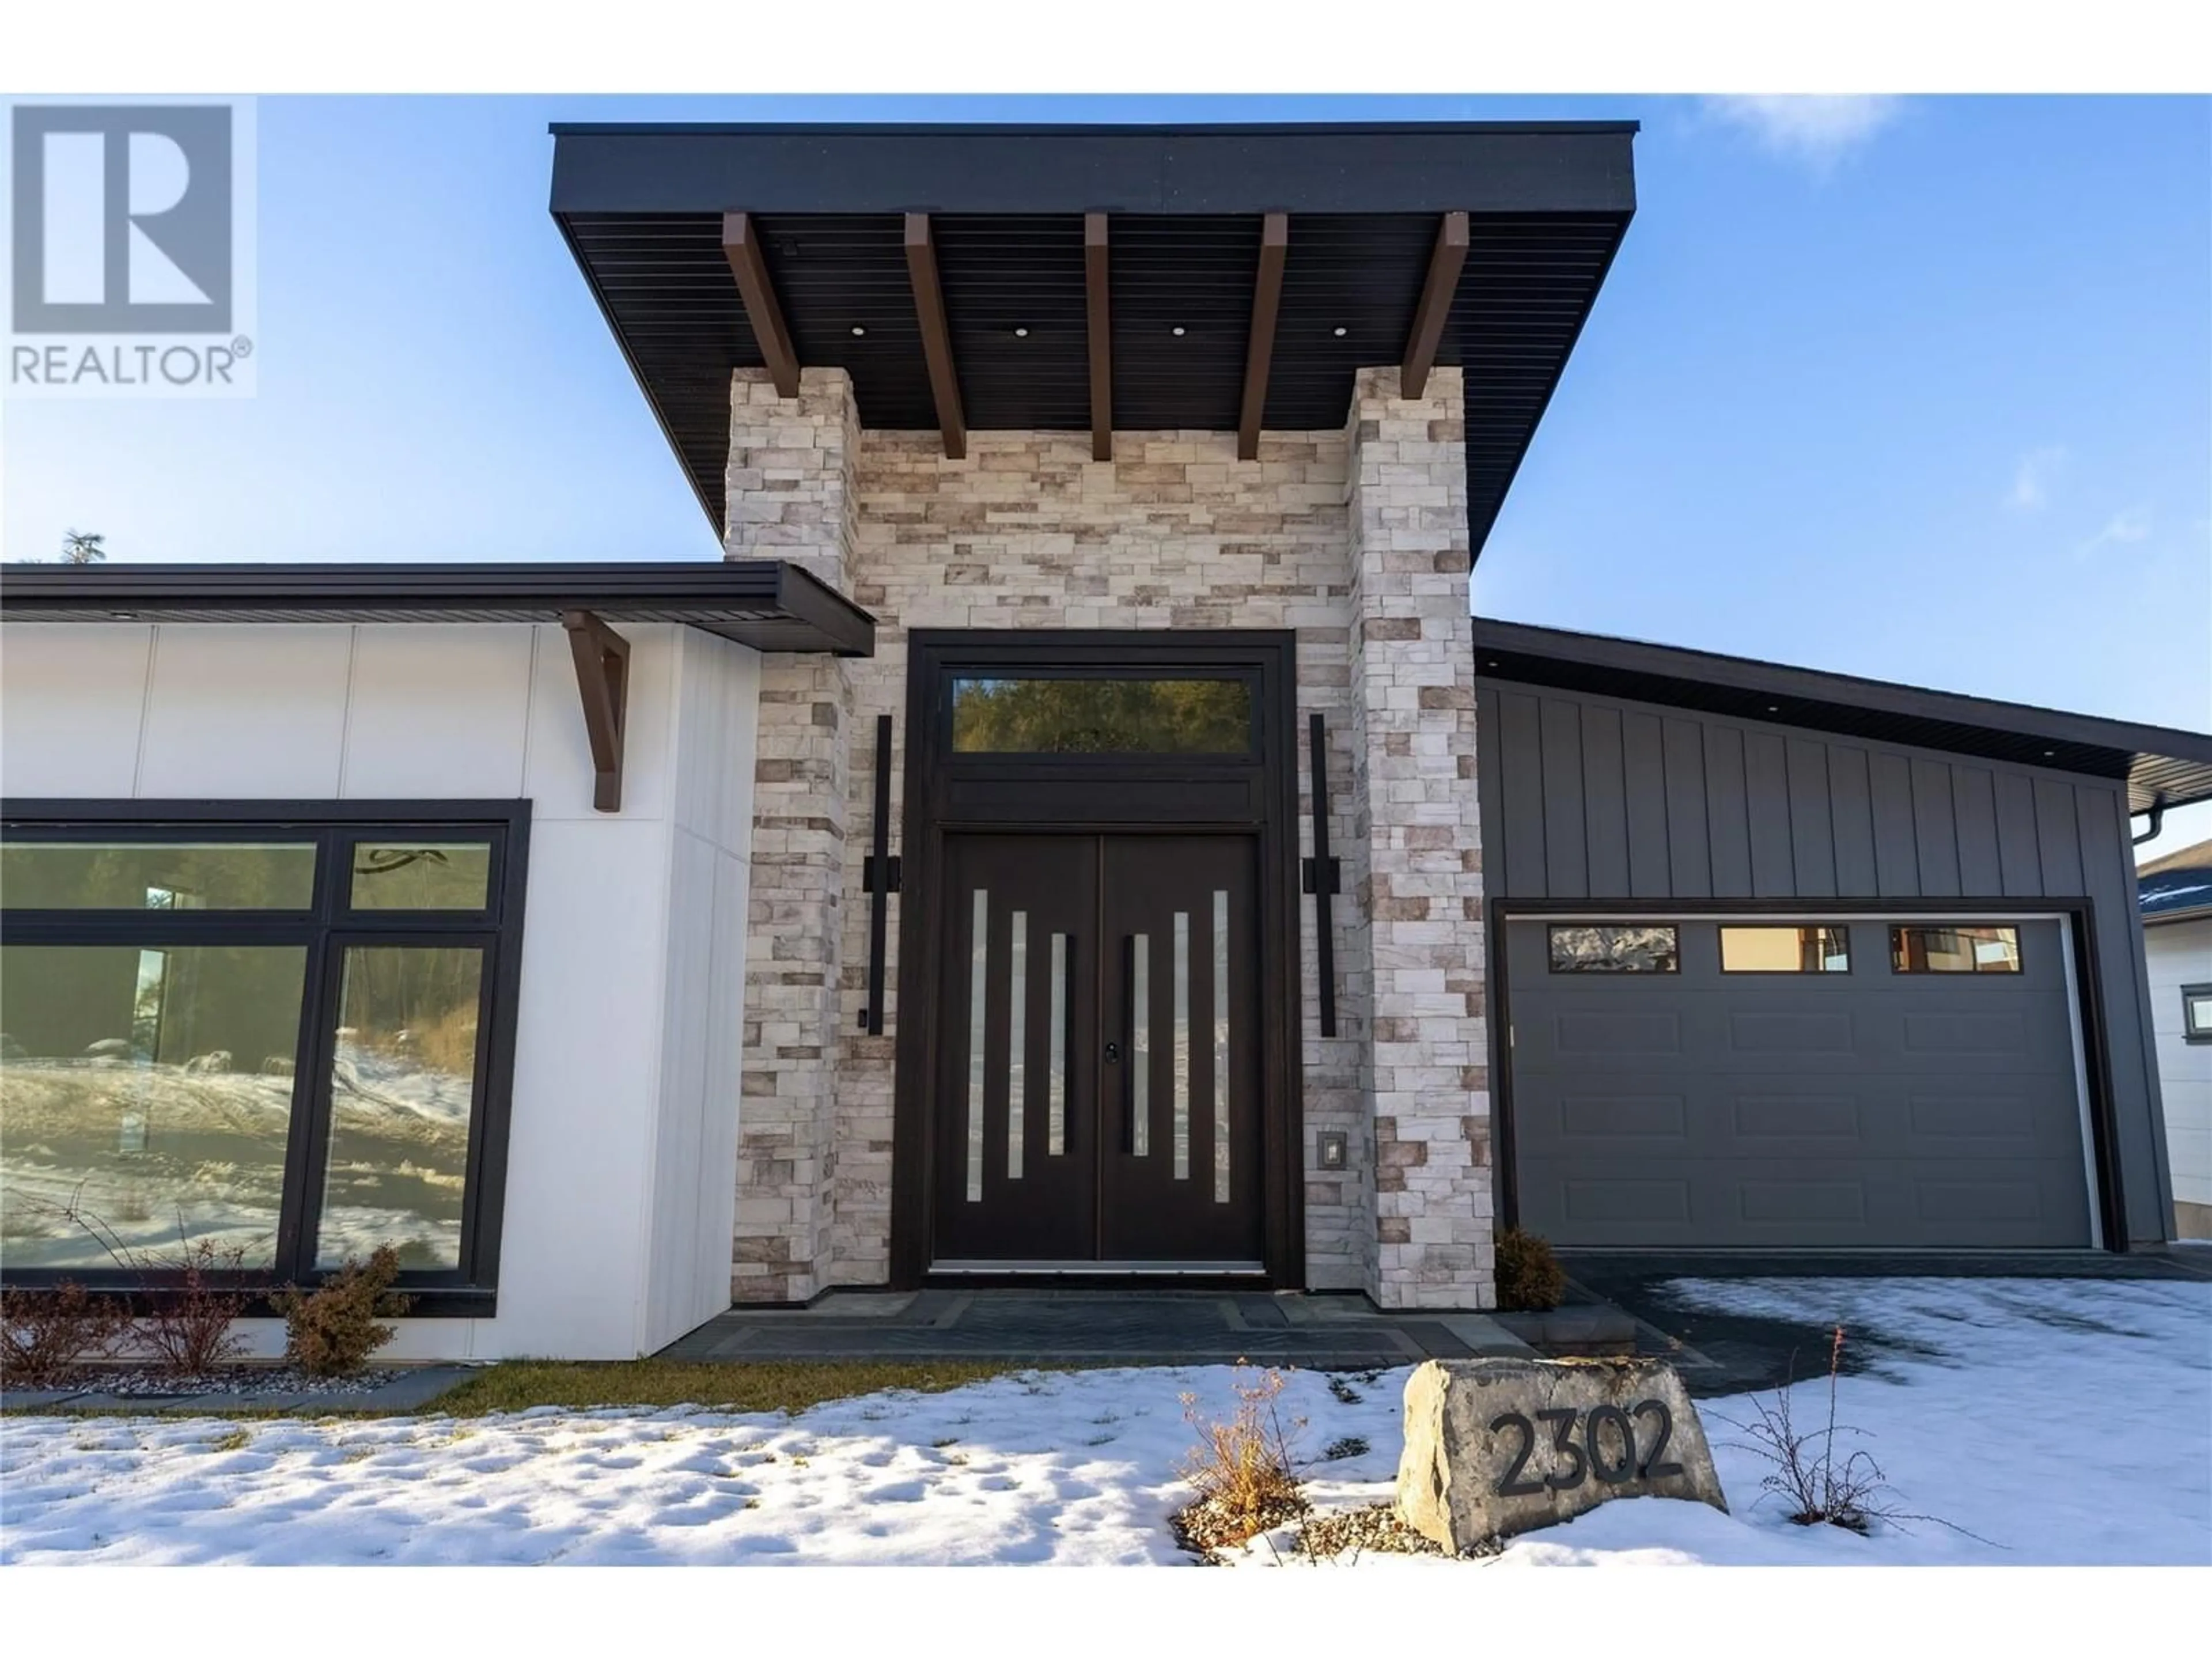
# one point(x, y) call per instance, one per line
point(790, 497)
point(1421, 951)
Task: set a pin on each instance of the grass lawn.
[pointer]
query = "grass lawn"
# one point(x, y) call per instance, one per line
point(514, 1385)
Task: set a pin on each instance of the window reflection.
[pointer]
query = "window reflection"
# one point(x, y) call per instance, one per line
point(402, 1090)
point(1615, 949)
point(161, 876)
point(1785, 950)
point(1059, 716)
point(413, 876)
point(150, 1088)
point(1947, 949)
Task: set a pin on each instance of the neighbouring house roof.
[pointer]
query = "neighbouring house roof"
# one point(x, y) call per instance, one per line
point(2156, 763)
point(762, 603)
point(1133, 257)
point(2176, 887)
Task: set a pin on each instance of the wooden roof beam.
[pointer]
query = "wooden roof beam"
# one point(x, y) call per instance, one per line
point(1259, 348)
point(1100, 322)
point(1435, 309)
point(741, 246)
point(936, 337)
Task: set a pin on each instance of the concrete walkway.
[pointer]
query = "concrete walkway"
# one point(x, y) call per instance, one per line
point(1318, 1331)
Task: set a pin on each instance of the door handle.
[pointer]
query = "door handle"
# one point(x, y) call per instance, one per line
point(1113, 1054)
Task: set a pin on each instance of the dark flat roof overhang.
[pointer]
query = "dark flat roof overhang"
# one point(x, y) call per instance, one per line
point(2156, 763)
point(830, 226)
point(1389, 166)
point(762, 603)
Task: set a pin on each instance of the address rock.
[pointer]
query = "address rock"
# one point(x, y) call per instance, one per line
point(1496, 1447)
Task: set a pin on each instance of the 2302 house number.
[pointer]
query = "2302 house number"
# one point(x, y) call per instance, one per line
point(1608, 1448)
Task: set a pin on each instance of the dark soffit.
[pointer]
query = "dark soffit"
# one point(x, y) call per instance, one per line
point(2153, 760)
point(640, 208)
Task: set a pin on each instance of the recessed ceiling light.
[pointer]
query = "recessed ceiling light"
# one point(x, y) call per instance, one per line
point(124, 616)
point(1772, 710)
point(1340, 333)
point(2048, 753)
point(1177, 331)
point(857, 331)
point(1021, 334)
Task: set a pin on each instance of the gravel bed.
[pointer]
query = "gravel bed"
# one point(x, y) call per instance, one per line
point(246, 1381)
point(1375, 1527)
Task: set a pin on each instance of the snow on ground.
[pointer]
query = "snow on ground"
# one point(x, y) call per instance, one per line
point(2062, 1421)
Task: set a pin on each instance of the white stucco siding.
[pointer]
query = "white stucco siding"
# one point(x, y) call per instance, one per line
point(2178, 954)
point(622, 1142)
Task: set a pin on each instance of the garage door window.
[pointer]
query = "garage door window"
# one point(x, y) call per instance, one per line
point(1955, 949)
point(1785, 950)
point(1615, 949)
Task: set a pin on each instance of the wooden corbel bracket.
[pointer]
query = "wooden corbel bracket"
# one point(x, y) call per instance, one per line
point(603, 677)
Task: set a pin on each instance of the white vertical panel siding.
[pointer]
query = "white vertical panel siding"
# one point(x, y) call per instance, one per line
point(693, 1208)
point(622, 1156)
point(672, 1207)
point(439, 712)
point(572, 1271)
point(246, 712)
point(71, 700)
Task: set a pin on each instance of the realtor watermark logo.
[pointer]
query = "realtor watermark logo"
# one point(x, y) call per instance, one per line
point(131, 267)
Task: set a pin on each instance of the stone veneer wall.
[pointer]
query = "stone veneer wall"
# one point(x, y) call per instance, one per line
point(1326, 529)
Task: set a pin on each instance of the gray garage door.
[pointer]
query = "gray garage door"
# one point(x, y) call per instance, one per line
point(1852, 1107)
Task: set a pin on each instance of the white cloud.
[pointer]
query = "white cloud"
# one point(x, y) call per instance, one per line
point(1815, 128)
point(2123, 528)
point(2033, 478)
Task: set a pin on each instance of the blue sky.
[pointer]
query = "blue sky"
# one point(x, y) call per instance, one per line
point(1919, 389)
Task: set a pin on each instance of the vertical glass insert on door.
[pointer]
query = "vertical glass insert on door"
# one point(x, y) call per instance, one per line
point(979, 966)
point(1220, 1045)
point(1140, 1045)
point(1056, 1096)
point(1180, 1131)
point(1017, 1082)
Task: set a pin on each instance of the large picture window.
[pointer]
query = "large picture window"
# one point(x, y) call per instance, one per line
point(288, 1033)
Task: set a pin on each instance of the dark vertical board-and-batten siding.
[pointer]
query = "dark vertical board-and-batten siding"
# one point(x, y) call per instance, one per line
point(1587, 797)
point(1599, 800)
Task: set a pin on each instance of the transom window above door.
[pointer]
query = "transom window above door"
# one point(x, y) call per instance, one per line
point(1101, 714)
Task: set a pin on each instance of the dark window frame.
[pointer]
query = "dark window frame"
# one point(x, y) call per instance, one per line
point(1720, 944)
point(1552, 960)
point(325, 929)
point(2191, 1031)
point(2019, 950)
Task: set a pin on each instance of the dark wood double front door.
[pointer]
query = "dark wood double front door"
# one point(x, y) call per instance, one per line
point(1099, 1076)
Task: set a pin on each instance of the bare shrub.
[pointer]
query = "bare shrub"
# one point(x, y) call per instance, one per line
point(186, 1300)
point(1530, 1279)
point(1242, 1468)
point(45, 1334)
point(331, 1331)
point(1819, 1487)
point(187, 1321)
point(1806, 1473)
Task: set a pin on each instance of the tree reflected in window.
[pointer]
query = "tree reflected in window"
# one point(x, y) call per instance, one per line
point(1058, 716)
